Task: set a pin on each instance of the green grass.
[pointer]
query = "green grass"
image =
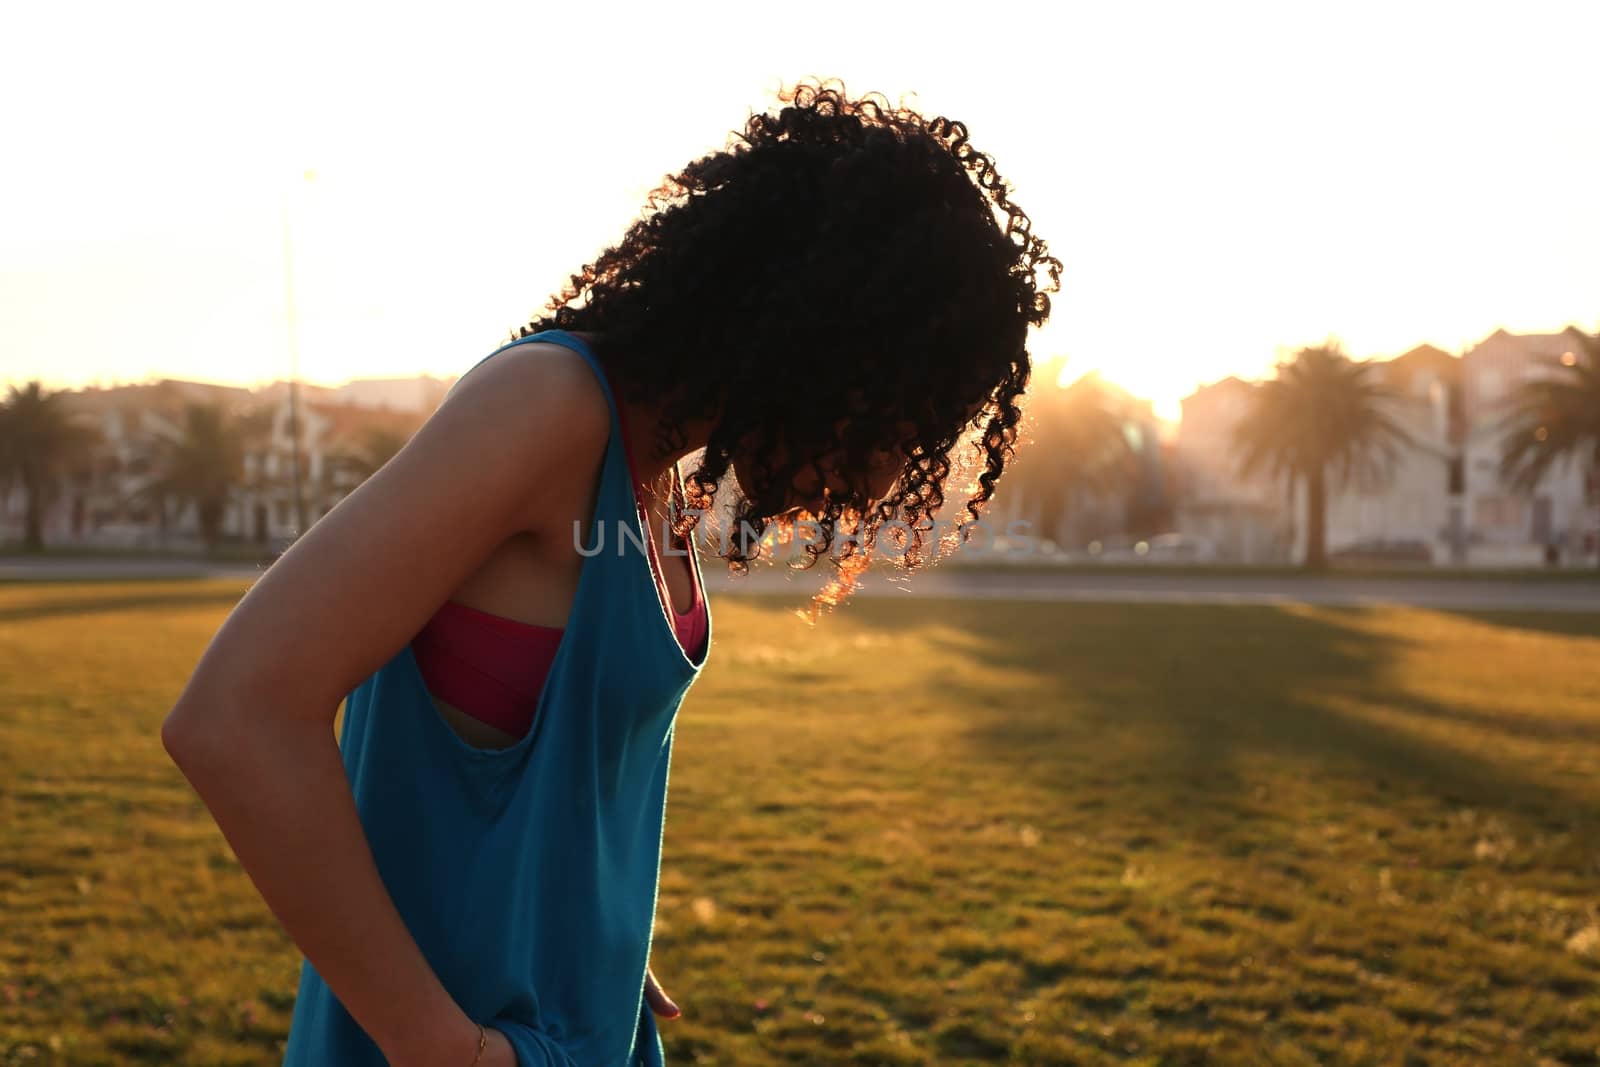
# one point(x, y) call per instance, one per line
point(924, 833)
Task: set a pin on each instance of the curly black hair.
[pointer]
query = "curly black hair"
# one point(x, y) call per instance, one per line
point(842, 262)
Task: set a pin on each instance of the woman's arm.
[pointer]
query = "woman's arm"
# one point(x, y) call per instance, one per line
point(253, 729)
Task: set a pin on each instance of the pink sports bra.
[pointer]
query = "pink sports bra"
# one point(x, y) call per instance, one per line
point(493, 668)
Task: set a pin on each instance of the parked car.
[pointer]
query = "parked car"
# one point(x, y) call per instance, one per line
point(1162, 548)
point(1383, 550)
point(1117, 550)
point(1181, 548)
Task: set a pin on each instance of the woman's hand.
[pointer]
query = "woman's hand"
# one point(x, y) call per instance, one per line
point(498, 1051)
point(657, 998)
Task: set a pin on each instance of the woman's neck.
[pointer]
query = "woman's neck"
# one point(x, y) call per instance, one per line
point(644, 418)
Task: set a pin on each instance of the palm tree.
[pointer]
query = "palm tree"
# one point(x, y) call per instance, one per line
point(348, 465)
point(1555, 418)
point(39, 442)
point(379, 445)
point(202, 466)
point(1323, 419)
point(1080, 445)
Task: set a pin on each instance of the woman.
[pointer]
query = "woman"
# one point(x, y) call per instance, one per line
point(823, 310)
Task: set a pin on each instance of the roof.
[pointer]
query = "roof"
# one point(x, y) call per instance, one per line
point(167, 397)
point(1534, 344)
point(1232, 383)
point(350, 423)
point(1399, 371)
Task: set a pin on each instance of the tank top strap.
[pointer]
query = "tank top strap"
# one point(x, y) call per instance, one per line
point(576, 344)
point(616, 497)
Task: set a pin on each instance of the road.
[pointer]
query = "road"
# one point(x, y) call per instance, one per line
point(1490, 594)
point(1460, 594)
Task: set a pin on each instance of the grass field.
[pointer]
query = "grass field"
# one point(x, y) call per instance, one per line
point(924, 833)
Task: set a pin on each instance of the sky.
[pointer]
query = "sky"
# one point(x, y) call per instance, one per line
point(1223, 182)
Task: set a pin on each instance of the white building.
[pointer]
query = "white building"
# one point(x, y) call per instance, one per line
point(333, 440)
point(1416, 513)
point(102, 504)
point(1445, 501)
point(105, 504)
point(1506, 527)
point(1246, 520)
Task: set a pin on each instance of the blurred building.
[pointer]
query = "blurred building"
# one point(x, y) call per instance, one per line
point(340, 445)
point(420, 395)
point(1445, 502)
point(1416, 514)
point(109, 502)
point(105, 503)
point(1504, 526)
point(1242, 520)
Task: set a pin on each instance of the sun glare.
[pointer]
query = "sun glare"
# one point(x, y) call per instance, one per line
point(1211, 210)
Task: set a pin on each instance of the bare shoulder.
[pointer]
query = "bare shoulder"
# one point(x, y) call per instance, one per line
point(544, 377)
point(548, 410)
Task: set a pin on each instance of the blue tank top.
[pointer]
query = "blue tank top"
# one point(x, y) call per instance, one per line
point(528, 874)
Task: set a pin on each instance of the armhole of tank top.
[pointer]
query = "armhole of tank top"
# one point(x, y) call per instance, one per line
point(487, 756)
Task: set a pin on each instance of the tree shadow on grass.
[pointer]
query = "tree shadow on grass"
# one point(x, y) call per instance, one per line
point(1180, 701)
point(64, 607)
point(1564, 624)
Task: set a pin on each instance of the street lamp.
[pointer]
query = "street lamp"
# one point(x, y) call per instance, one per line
point(294, 359)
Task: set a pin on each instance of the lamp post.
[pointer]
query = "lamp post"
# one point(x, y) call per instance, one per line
point(292, 322)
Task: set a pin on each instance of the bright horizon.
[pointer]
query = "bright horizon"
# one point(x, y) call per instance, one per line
point(1222, 185)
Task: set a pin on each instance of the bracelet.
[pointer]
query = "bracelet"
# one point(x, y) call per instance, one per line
point(483, 1042)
